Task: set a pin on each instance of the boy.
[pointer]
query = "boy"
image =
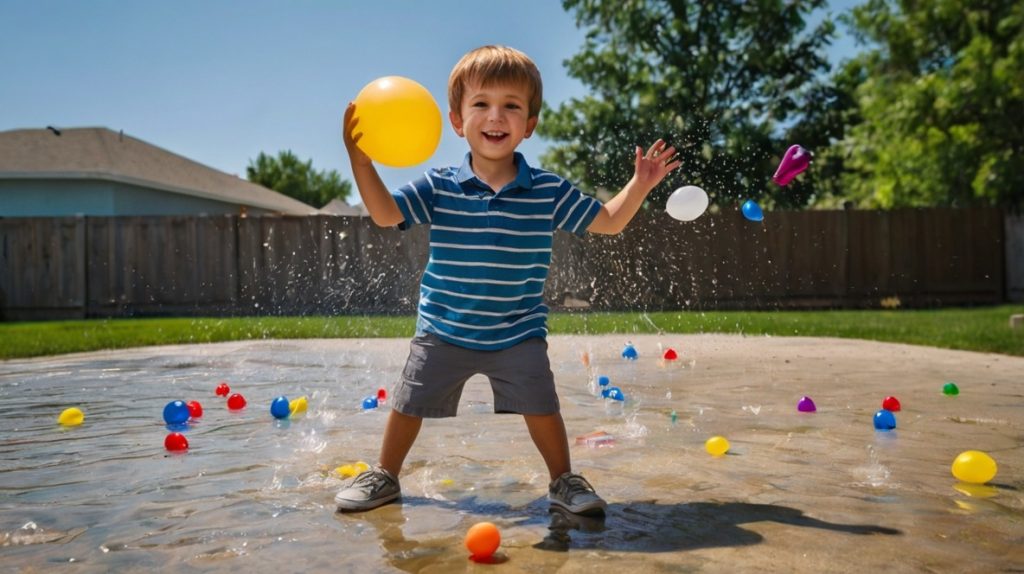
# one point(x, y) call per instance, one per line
point(481, 306)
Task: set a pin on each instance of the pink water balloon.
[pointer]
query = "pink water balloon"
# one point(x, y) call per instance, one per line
point(793, 164)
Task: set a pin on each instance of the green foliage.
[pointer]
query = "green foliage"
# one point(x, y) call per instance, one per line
point(720, 80)
point(941, 103)
point(288, 175)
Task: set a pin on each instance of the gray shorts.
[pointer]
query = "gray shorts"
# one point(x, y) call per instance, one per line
point(436, 372)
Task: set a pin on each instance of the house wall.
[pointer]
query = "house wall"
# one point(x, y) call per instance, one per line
point(49, 198)
point(66, 197)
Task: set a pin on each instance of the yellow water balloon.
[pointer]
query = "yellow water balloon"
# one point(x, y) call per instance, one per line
point(399, 121)
point(297, 406)
point(71, 417)
point(717, 445)
point(975, 467)
point(350, 470)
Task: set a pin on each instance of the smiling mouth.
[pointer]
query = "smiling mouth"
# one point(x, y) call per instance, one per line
point(495, 137)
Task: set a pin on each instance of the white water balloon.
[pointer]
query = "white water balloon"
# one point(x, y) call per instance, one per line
point(687, 203)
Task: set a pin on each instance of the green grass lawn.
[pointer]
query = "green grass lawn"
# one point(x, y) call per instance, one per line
point(975, 329)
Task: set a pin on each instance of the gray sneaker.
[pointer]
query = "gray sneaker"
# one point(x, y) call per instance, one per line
point(373, 488)
point(573, 493)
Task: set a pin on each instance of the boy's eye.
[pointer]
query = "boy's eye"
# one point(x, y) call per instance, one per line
point(512, 106)
point(480, 105)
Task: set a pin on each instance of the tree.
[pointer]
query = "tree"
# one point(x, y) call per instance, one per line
point(720, 80)
point(941, 104)
point(288, 175)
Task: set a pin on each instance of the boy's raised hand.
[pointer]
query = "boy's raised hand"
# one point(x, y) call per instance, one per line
point(653, 166)
point(348, 125)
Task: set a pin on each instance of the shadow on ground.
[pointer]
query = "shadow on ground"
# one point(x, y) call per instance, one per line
point(653, 527)
point(626, 527)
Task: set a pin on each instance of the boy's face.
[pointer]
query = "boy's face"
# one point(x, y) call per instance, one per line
point(494, 120)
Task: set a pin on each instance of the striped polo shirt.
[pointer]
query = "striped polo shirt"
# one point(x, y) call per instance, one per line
point(483, 287)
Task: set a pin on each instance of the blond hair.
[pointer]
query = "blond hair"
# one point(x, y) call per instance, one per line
point(490, 65)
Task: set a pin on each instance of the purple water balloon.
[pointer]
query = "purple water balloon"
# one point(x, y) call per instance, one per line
point(793, 164)
point(806, 405)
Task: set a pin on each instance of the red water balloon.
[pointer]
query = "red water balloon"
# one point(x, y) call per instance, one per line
point(236, 402)
point(382, 395)
point(195, 410)
point(891, 404)
point(176, 442)
point(670, 354)
point(223, 389)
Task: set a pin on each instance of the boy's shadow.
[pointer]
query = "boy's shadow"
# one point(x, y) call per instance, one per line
point(643, 526)
point(653, 527)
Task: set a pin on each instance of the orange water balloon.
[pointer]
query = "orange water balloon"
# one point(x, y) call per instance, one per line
point(482, 540)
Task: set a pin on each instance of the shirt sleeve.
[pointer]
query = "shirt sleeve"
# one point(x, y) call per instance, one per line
point(574, 210)
point(415, 200)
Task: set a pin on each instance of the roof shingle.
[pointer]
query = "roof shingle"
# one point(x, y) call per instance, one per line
point(99, 153)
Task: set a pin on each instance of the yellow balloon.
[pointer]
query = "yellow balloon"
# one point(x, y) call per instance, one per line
point(297, 406)
point(71, 417)
point(350, 470)
point(399, 120)
point(975, 467)
point(717, 445)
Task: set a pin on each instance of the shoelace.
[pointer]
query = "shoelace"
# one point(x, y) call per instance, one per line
point(576, 481)
point(373, 479)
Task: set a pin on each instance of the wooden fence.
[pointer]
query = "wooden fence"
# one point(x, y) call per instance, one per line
point(226, 265)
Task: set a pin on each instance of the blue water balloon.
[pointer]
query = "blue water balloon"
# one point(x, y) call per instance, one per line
point(752, 211)
point(629, 352)
point(369, 403)
point(176, 413)
point(616, 394)
point(603, 380)
point(280, 408)
point(885, 420)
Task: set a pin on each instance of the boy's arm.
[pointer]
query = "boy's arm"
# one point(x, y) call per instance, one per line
point(376, 198)
point(650, 169)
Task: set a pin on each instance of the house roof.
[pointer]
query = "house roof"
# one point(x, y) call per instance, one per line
point(339, 206)
point(99, 153)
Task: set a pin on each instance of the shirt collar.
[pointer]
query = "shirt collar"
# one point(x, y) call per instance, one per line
point(523, 178)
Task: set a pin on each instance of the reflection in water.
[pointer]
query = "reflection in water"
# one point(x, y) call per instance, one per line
point(562, 521)
point(809, 493)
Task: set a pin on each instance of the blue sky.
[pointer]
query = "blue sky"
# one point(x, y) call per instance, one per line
point(220, 81)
